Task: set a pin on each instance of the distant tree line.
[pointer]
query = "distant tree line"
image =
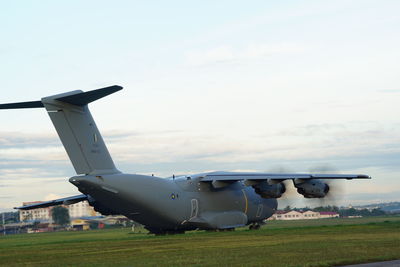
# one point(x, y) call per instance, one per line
point(361, 212)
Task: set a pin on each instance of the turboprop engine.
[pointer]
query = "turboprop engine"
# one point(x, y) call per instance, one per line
point(266, 190)
point(311, 188)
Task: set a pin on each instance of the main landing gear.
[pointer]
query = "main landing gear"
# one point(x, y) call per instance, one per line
point(254, 226)
point(221, 230)
point(157, 231)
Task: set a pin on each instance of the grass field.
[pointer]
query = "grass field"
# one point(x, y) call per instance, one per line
point(280, 243)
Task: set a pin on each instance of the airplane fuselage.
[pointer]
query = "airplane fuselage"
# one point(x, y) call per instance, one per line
point(216, 200)
point(175, 204)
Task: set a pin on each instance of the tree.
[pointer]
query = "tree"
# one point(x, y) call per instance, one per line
point(377, 212)
point(287, 208)
point(327, 208)
point(60, 215)
point(348, 212)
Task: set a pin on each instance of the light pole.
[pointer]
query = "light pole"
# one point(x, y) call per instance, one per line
point(4, 225)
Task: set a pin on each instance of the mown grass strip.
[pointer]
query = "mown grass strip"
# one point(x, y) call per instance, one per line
point(298, 244)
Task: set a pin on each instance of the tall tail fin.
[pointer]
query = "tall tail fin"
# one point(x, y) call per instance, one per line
point(76, 128)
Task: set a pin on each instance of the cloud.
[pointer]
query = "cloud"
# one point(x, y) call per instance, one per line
point(389, 91)
point(358, 147)
point(12, 140)
point(17, 139)
point(227, 53)
point(51, 196)
point(26, 186)
point(339, 200)
point(314, 142)
point(214, 55)
point(29, 173)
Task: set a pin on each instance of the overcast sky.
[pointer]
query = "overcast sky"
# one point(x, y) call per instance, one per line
point(297, 86)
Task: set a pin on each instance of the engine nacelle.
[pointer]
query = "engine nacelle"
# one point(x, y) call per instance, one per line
point(266, 190)
point(311, 188)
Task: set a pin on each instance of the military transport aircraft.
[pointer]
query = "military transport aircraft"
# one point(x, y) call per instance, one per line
point(213, 200)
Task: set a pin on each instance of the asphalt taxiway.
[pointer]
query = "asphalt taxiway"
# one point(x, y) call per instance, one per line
point(395, 263)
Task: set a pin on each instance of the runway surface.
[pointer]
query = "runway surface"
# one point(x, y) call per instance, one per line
point(395, 263)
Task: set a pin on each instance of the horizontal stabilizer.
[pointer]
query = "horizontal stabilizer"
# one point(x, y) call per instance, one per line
point(78, 99)
point(30, 104)
point(60, 201)
point(85, 98)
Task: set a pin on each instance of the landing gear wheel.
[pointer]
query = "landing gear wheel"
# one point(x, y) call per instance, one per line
point(158, 232)
point(255, 226)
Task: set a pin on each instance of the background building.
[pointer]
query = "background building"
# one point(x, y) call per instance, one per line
point(328, 214)
point(303, 215)
point(81, 209)
point(42, 214)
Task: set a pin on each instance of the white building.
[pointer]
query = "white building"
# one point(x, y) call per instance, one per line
point(309, 214)
point(302, 215)
point(328, 214)
point(80, 209)
point(42, 214)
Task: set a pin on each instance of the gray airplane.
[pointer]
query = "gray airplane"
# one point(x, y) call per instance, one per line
point(210, 201)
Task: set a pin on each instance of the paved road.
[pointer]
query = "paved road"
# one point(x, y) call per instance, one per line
point(395, 263)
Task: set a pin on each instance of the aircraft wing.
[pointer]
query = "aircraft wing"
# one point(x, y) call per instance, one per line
point(237, 176)
point(60, 201)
